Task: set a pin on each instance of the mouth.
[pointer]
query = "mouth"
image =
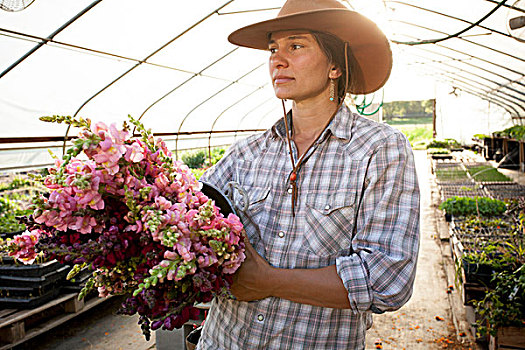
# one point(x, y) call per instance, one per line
point(282, 79)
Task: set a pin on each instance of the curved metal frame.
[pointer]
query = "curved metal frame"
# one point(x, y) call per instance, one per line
point(511, 103)
point(453, 59)
point(224, 111)
point(265, 115)
point(476, 24)
point(61, 44)
point(484, 78)
point(185, 82)
point(50, 37)
point(476, 84)
point(471, 91)
point(455, 35)
point(144, 60)
point(508, 103)
point(461, 38)
point(250, 111)
point(205, 101)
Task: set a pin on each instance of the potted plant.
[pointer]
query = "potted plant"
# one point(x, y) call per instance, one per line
point(503, 309)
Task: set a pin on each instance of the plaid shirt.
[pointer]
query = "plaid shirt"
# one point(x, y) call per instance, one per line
point(359, 173)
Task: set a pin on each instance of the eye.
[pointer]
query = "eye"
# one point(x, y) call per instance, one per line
point(296, 46)
point(272, 50)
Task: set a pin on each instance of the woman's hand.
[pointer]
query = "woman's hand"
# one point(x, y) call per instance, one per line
point(252, 279)
point(256, 279)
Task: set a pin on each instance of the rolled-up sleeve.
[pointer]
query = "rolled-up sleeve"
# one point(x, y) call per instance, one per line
point(379, 274)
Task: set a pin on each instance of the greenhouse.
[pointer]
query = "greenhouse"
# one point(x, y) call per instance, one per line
point(110, 107)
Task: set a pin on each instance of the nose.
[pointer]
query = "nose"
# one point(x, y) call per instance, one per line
point(278, 60)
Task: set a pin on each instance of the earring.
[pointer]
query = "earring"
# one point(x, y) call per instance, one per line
point(332, 90)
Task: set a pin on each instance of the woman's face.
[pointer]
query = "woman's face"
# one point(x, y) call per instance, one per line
point(298, 67)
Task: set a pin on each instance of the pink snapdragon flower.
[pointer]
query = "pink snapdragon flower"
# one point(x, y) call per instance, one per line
point(23, 246)
point(134, 152)
point(111, 147)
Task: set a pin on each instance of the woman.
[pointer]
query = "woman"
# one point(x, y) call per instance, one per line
point(333, 212)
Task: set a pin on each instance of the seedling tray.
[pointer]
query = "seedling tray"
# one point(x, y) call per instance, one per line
point(26, 292)
point(9, 268)
point(34, 282)
point(78, 282)
point(28, 302)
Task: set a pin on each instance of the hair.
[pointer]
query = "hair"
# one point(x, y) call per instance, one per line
point(334, 49)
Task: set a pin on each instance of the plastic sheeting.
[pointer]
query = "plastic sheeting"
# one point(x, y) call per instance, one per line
point(170, 62)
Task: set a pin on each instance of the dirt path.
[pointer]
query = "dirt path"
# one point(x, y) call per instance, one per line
point(426, 321)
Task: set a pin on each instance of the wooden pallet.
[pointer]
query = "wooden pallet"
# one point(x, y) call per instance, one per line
point(18, 326)
point(508, 338)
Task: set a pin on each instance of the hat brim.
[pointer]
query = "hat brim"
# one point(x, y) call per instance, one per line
point(369, 46)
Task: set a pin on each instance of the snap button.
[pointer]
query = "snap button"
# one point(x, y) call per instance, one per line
point(281, 234)
point(260, 317)
point(327, 207)
point(290, 190)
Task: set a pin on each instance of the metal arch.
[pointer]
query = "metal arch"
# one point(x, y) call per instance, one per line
point(224, 111)
point(349, 4)
point(483, 78)
point(472, 65)
point(455, 35)
point(143, 60)
point(489, 93)
point(99, 52)
point(509, 102)
point(508, 6)
point(50, 37)
point(449, 16)
point(451, 80)
point(480, 59)
point(186, 81)
point(247, 11)
point(203, 102)
point(495, 94)
point(480, 95)
point(264, 116)
point(250, 111)
point(472, 42)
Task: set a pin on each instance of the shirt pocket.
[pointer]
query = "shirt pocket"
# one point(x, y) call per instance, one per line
point(254, 213)
point(329, 223)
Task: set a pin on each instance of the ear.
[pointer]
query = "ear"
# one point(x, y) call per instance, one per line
point(334, 73)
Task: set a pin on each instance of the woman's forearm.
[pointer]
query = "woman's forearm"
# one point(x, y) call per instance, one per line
point(256, 280)
point(319, 287)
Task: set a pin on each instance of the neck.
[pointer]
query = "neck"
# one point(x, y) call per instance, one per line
point(310, 117)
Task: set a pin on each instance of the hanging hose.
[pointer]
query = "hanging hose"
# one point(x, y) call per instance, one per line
point(455, 35)
point(363, 105)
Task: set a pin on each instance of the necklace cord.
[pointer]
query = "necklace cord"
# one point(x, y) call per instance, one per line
point(296, 166)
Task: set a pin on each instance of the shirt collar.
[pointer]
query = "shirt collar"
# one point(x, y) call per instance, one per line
point(340, 126)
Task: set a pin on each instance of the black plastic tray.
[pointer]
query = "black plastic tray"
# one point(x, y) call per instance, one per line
point(26, 292)
point(8, 267)
point(78, 282)
point(29, 302)
point(34, 282)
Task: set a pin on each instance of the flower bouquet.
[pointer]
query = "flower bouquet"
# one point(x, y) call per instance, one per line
point(137, 218)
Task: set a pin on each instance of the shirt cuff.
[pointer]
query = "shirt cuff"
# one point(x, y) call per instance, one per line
point(354, 275)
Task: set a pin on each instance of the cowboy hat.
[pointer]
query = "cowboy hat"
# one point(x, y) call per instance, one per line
point(369, 47)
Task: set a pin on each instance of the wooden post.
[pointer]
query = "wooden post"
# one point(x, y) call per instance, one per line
point(13, 332)
point(434, 133)
point(74, 305)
